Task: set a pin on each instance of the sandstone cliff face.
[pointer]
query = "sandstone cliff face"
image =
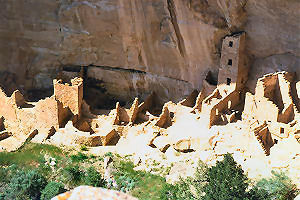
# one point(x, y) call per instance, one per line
point(139, 45)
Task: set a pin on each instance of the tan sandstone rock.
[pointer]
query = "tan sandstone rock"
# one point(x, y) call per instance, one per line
point(93, 193)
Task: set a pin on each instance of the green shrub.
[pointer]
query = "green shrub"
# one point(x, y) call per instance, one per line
point(93, 178)
point(83, 148)
point(73, 174)
point(141, 184)
point(200, 179)
point(183, 188)
point(51, 190)
point(125, 176)
point(168, 192)
point(3, 175)
point(180, 191)
point(25, 185)
point(92, 156)
point(79, 157)
point(109, 154)
point(279, 186)
point(6, 173)
point(256, 193)
point(125, 182)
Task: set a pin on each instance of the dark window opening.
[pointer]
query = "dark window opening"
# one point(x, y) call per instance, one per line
point(211, 78)
point(228, 81)
point(230, 44)
point(230, 62)
point(281, 130)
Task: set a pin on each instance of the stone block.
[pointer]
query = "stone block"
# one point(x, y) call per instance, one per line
point(108, 137)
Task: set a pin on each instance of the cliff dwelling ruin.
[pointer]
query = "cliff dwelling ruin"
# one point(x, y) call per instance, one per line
point(161, 84)
point(65, 118)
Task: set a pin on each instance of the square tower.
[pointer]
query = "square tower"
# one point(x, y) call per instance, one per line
point(233, 70)
point(70, 96)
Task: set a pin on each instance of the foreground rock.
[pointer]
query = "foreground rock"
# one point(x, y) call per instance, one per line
point(93, 193)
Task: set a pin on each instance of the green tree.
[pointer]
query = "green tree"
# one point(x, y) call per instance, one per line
point(226, 181)
point(279, 186)
point(25, 185)
point(51, 190)
point(93, 178)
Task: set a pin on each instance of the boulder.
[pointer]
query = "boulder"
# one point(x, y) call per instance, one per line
point(93, 193)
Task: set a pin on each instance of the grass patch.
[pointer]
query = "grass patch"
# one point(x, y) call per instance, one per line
point(79, 157)
point(145, 185)
point(30, 155)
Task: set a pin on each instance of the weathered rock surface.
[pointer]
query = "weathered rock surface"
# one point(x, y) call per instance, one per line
point(134, 46)
point(93, 193)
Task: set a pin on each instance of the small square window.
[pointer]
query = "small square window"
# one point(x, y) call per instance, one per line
point(282, 130)
point(229, 62)
point(228, 81)
point(230, 44)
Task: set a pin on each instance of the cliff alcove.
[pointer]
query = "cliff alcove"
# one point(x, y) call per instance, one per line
point(146, 78)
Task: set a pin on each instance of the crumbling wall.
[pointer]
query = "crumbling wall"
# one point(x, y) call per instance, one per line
point(134, 110)
point(287, 114)
point(70, 96)
point(49, 113)
point(125, 116)
point(206, 90)
point(264, 137)
point(8, 110)
point(273, 99)
point(298, 88)
point(190, 100)
point(18, 98)
point(25, 119)
point(225, 104)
